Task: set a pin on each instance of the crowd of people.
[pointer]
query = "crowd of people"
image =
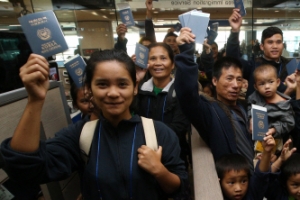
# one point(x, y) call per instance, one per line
point(117, 92)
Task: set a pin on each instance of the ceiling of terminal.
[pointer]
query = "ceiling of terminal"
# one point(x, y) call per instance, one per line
point(165, 13)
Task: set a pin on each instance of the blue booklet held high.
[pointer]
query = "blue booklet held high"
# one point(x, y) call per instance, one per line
point(198, 22)
point(214, 26)
point(43, 33)
point(259, 122)
point(126, 14)
point(177, 27)
point(240, 5)
point(141, 53)
point(292, 66)
point(75, 67)
point(212, 35)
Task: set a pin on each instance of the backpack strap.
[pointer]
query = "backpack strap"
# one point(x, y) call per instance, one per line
point(150, 134)
point(88, 130)
point(86, 137)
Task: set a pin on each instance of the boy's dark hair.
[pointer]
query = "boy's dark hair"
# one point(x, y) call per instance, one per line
point(269, 32)
point(263, 68)
point(225, 62)
point(290, 167)
point(170, 34)
point(230, 162)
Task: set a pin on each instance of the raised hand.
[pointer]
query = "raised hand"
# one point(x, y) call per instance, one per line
point(286, 151)
point(291, 84)
point(35, 77)
point(121, 31)
point(186, 36)
point(207, 47)
point(235, 20)
point(268, 143)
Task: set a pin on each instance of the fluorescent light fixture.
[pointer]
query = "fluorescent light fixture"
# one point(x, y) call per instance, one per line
point(4, 29)
point(104, 16)
point(276, 11)
point(15, 25)
point(4, 1)
point(94, 13)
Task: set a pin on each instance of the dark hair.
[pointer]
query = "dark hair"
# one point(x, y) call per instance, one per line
point(230, 162)
point(262, 68)
point(290, 167)
point(170, 34)
point(166, 47)
point(214, 43)
point(73, 92)
point(225, 62)
point(109, 55)
point(146, 39)
point(269, 32)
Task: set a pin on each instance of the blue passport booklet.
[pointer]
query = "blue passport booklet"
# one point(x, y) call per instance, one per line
point(260, 124)
point(240, 5)
point(292, 66)
point(214, 26)
point(75, 67)
point(212, 35)
point(141, 53)
point(198, 22)
point(126, 14)
point(298, 67)
point(177, 27)
point(43, 33)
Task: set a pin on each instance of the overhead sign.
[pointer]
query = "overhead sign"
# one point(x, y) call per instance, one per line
point(191, 4)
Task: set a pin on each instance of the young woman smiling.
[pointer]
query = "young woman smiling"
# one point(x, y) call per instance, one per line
point(120, 166)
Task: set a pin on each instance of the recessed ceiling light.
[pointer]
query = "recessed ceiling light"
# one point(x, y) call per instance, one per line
point(3, 0)
point(104, 16)
point(276, 10)
point(112, 13)
point(94, 13)
point(155, 12)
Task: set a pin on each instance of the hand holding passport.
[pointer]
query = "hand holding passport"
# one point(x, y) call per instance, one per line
point(197, 21)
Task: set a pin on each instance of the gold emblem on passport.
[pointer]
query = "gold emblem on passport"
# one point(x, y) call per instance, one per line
point(126, 17)
point(78, 72)
point(142, 56)
point(44, 33)
point(261, 124)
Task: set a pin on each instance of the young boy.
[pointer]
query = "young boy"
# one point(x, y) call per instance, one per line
point(84, 103)
point(234, 174)
point(280, 113)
